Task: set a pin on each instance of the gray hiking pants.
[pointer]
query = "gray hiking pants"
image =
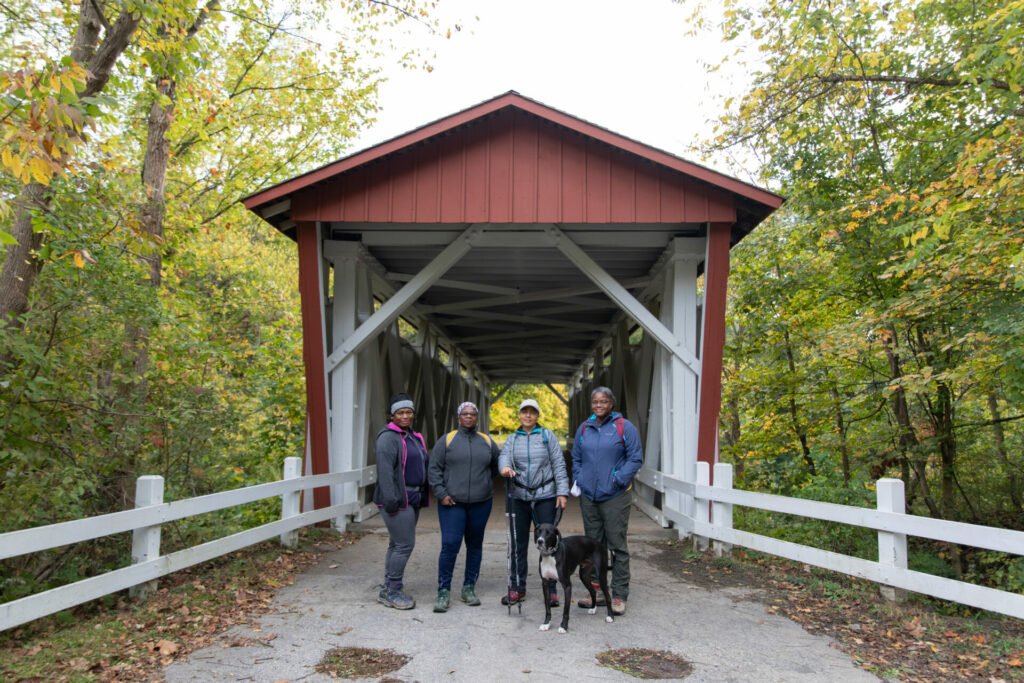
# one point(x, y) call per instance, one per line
point(401, 540)
point(607, 522)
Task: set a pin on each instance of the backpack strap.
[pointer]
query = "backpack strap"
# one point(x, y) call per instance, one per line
point(451, 435)
point(620, 427)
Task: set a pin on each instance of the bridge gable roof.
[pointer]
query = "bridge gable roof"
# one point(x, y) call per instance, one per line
point(513, 160)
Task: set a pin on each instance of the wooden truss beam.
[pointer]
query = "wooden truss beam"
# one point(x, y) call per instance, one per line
point(527, 297)
point(623, 298)
point(394, 306)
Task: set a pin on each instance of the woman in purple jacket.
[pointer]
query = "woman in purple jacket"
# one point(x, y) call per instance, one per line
point(400, 493)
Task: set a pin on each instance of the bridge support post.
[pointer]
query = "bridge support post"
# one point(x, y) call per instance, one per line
point(149, 490)
point(892, 548)
point(350, 382)
point(678, 383)
point(291, 501)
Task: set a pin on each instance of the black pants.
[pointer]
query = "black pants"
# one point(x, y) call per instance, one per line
point(543, 512)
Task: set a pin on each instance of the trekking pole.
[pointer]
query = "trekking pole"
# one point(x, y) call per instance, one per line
point(508, 543)
point(515, 543)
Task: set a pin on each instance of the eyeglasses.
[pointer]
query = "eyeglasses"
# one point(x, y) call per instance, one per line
point(468, 414)
point(600, 402)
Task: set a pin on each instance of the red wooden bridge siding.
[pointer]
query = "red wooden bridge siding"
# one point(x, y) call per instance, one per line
point(513, 167)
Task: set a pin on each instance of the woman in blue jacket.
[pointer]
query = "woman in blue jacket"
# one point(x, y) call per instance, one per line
point(606, 454)
point(532, 459)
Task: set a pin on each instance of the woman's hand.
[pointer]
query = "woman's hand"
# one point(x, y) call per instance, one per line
point(448, 501)
point(561, 502)
point(507, 472)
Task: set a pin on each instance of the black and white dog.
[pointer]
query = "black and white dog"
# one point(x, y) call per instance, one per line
point(559, 558)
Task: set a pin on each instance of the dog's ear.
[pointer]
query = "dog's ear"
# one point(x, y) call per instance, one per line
point(558, 516)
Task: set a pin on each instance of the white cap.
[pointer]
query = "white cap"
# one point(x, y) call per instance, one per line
point(529, 403)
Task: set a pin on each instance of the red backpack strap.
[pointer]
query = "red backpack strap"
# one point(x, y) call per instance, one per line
point(620, 425)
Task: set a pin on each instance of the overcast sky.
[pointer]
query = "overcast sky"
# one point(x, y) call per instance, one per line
point(629, 66)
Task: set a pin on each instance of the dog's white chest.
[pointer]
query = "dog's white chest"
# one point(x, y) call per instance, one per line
point(548, 570)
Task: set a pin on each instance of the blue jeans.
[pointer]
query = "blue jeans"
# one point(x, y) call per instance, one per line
point(540, 512)
point(462, 520)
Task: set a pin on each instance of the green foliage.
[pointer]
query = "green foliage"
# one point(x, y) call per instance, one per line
point(875, 323)
point(553, 413)
point(193, 369)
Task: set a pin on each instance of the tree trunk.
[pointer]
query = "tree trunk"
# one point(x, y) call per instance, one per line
point(801, 431)
point(20, 265)
point(837, 406)
point(906, 437)
point(154, 176)
point(1013, 489)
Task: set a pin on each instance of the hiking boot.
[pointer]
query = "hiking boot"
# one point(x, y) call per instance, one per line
point(585, 602)
point(618, 607)
point(513, 597)
point(443, 600)
point(469, 595)
point(394, 597)
point(554, 599)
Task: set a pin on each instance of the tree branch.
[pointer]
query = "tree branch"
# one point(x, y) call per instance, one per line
point(913, 80)
point(106, 55)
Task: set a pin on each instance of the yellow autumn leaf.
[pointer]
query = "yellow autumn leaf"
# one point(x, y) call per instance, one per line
point(79, 261)
point(41, 171)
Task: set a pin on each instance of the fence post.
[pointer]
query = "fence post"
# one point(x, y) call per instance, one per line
point(700, 505)
point(291, 501)
point(721, 513)
point(892, 548)
point(149, 490)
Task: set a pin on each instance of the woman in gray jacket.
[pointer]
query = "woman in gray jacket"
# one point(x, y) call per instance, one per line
point(532, 459)
point(462, 465)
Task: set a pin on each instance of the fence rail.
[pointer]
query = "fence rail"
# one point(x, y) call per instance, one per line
point(145, 523)
point(888, 520)
point(710, 519)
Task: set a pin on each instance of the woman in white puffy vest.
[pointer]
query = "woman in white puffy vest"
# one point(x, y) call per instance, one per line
point(532, 459)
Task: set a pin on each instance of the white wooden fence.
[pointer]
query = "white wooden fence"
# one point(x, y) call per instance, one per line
point(144, 522)
point(889, 520)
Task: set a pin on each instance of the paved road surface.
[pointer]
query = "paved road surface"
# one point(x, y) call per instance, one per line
point(726, 634)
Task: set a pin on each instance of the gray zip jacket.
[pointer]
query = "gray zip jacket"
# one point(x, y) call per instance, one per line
point(463, 469)
point(540, 467)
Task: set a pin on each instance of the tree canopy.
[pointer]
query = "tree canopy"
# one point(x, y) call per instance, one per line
point(148, 323)
point(876, 322)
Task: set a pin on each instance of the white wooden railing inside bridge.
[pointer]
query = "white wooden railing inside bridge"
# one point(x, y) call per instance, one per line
point(711, 521)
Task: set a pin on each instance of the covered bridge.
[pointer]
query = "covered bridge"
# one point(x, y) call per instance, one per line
point(511, 242)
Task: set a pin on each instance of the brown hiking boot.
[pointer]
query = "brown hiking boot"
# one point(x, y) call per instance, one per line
point(618, 607)
point(587, 604)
